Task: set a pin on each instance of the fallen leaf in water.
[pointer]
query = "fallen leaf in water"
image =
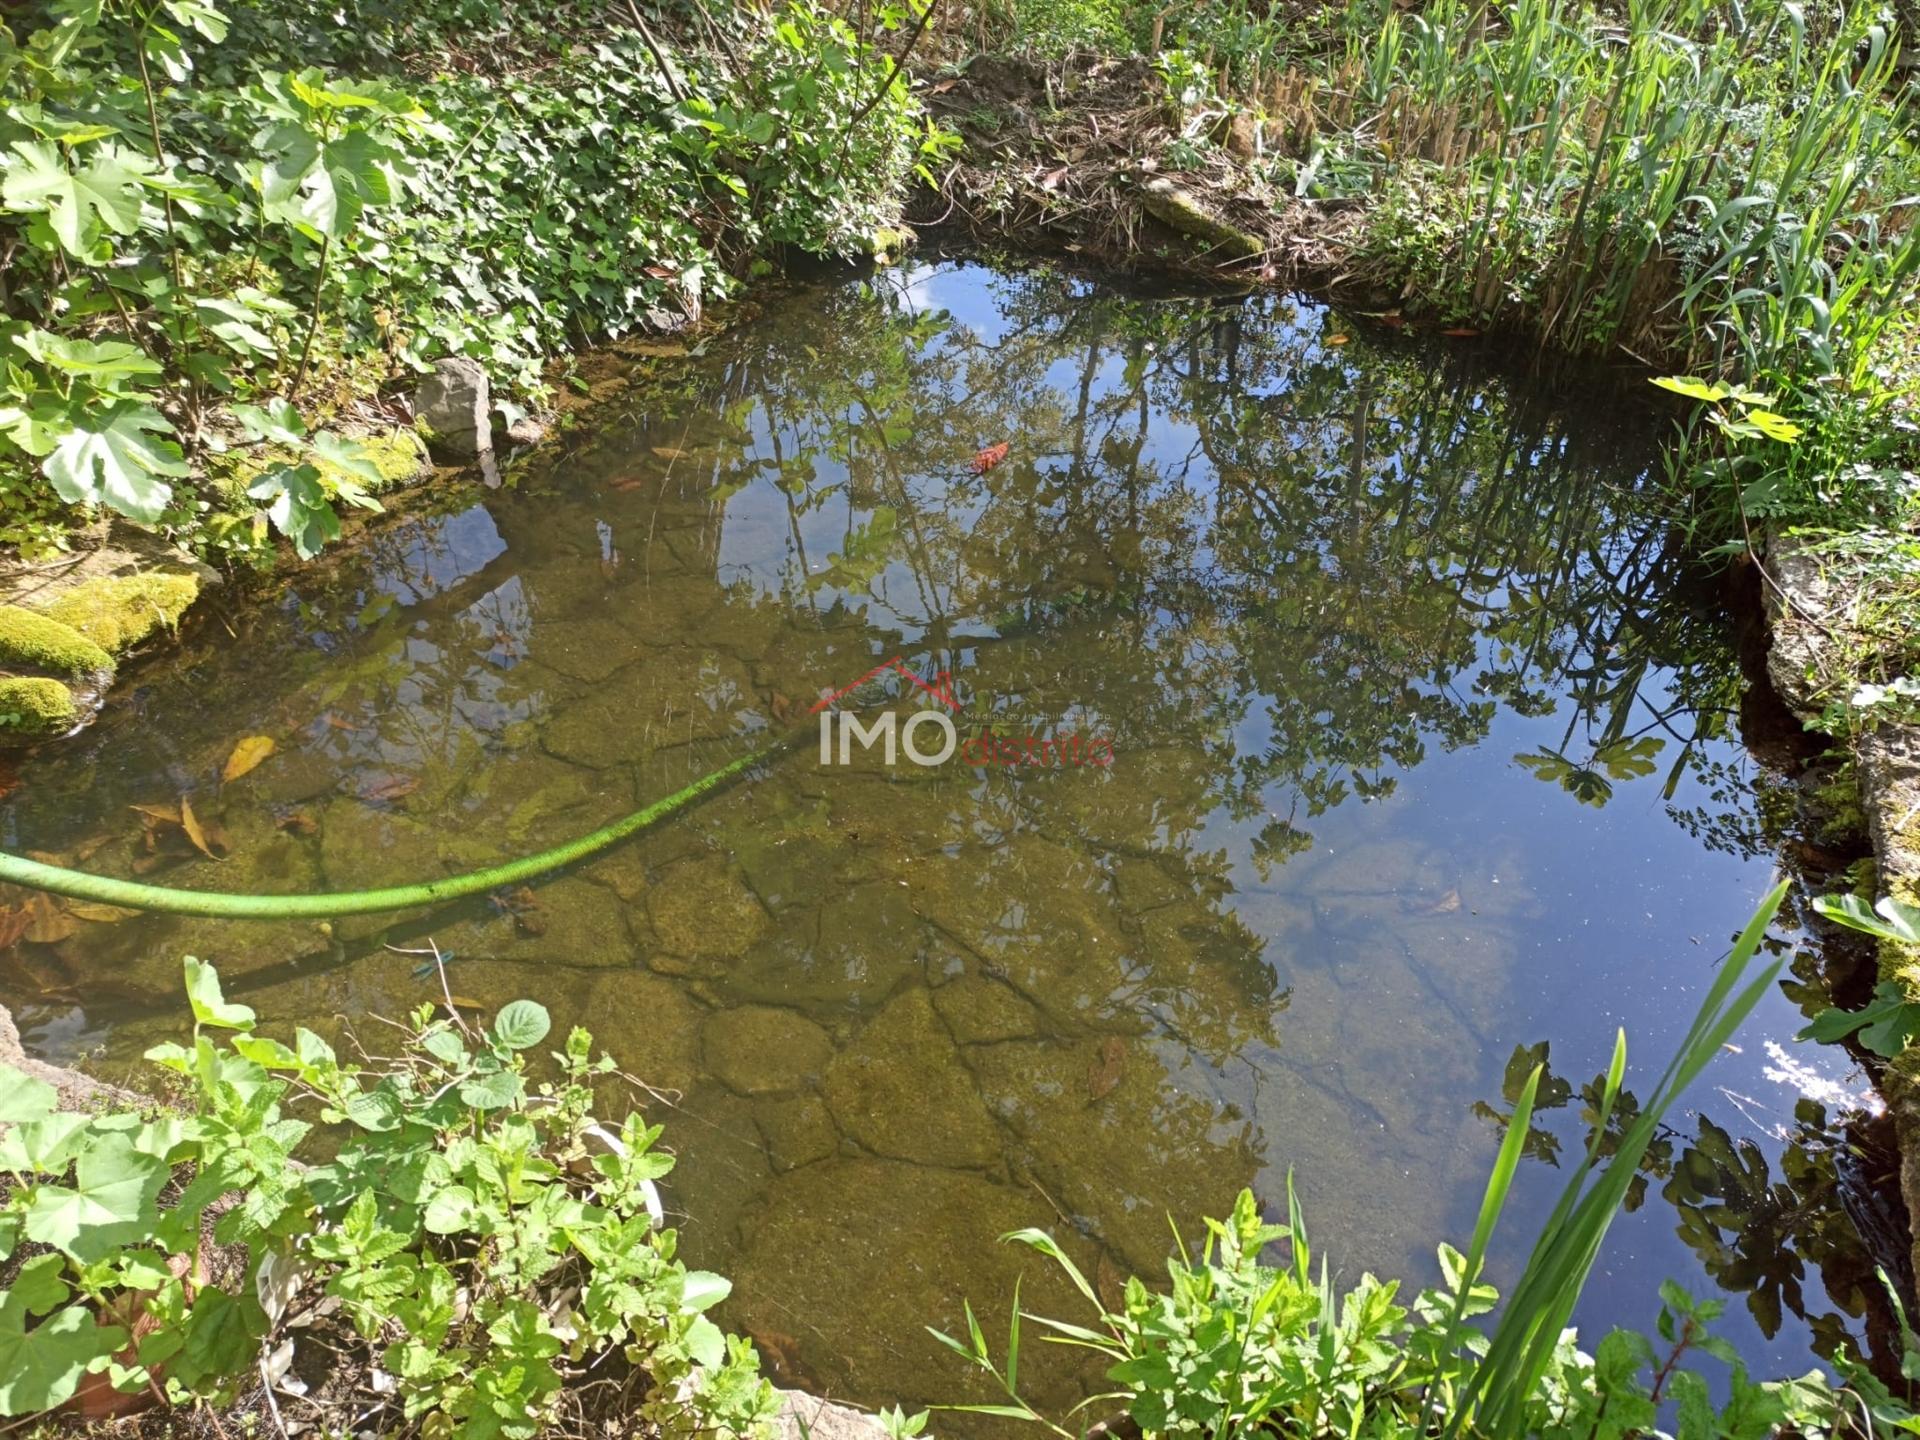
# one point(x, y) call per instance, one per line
point(1107, 1068)
point(670, 452)
point(781, 1351)
point(196, 832)
point(14, 925)
point(1461, 332)
point(394, 787)
point(99, 914)
point(47, 923)
point(1337, 339)
point(247, 754)
point(988, 458)
point(165, 814)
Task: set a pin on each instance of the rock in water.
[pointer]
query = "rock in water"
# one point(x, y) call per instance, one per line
point(452, 406)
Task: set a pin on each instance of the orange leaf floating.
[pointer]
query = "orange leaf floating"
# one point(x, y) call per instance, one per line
point(988, 458)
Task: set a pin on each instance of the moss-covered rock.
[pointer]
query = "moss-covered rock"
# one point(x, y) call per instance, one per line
point(399, 455)
point(35, 708)
point(117, 612)
point(901, 1090)
point(762, 1049)
point(31, 641)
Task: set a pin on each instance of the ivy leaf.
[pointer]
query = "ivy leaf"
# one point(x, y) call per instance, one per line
point(350, 458)
point(104, 193)
point(297, 505)
point(210, 1006)
point(209, 22)
point(42, 1367)
point(110, 1202)
point(110, 457)
point(279, 422)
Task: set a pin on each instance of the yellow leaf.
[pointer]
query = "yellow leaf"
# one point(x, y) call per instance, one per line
point(47, 924)
point(101, 914)
point(247, 754)
point(195, 832)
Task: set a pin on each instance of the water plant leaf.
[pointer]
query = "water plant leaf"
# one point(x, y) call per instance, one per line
point(210, 1006)
point(521, 1024)
point(247, 754)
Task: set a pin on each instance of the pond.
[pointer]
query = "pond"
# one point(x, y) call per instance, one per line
point(1406, 756)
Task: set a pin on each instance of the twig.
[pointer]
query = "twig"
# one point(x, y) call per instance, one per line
point(898, 63)
point(653, 49)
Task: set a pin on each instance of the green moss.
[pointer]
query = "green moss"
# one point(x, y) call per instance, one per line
point(117, 612)
point(1837, 802)
point(31, 641)
point(1900, 962)
point(397, 455)
point(33, 707)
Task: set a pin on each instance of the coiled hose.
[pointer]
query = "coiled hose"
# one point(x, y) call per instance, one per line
point(132, 895)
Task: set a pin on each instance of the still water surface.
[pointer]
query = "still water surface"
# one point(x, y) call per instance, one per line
point(1421, 757)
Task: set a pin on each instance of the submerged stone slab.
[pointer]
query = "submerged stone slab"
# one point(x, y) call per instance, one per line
point(700, 909)
point(828, 1244)
point(980, 1010)
point(760, 1049)
point(901, 1090)
point(799, 1130)
point(650, 1025)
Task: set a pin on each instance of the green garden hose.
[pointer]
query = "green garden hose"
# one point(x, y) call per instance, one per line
point(130, 894)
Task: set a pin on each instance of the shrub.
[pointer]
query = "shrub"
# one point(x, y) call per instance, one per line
point(485, 1234)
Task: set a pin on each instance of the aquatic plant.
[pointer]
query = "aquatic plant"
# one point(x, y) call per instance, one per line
point(1233, 1346)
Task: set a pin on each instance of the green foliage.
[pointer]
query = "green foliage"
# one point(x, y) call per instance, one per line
point(484, 1233)
point(196, 220)
point(1234, 1346)
point(1888, 1023)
